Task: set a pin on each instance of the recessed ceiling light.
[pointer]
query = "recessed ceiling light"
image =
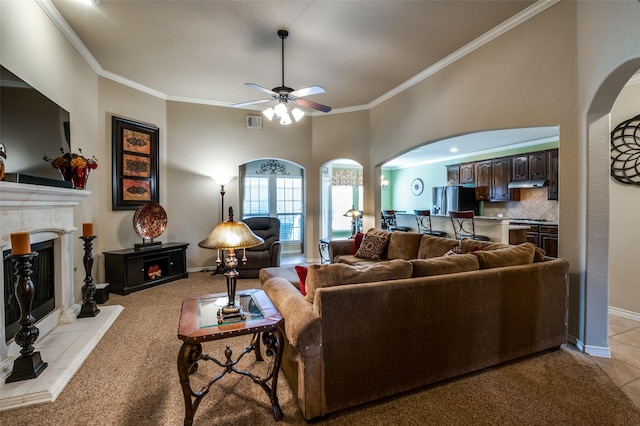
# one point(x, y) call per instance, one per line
point(454, 149)
point(91, 2)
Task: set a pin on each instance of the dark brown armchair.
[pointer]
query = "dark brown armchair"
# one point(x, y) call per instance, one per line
point(266, 254)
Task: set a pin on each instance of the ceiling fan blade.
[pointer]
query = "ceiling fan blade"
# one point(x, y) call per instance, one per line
point(307, 91)
point(244, 104)
point(262, 89)
point(310, 104)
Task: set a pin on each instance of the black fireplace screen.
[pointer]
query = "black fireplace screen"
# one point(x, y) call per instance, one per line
point(43, 279)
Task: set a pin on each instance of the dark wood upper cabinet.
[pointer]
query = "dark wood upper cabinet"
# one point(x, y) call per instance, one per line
point(483, 170)
point(553, 175)
point(501, 176)
point(530, 166)
point(520, 167)
point(538, 165)
point(453, 174)
point(467, 173)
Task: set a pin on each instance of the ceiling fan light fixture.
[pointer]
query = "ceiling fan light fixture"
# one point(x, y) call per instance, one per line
point(285, 119)
point(297, 114)
point(269, 113)
point(281, 109)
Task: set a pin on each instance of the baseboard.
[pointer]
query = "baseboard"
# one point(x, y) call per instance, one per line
point(624, 313)
point(599, 351)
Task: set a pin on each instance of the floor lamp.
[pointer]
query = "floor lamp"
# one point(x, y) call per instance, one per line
point(222, 181)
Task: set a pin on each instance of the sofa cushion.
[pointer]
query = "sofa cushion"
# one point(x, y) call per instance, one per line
point(404, 245)
point(444, 265)
point(351, 259)
point(521, 254)
point(431, 246)
point(468, 245)
point(329, 275)
point(374, 244)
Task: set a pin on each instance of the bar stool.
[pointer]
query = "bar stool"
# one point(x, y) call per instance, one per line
point(464, 225)
point(423, 218)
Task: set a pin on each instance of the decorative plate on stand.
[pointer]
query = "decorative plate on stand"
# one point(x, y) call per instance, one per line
point(149, 220)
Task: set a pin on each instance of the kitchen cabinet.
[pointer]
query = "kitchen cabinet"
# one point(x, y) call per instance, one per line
point(553, 175)
point(453, 174)
point(544, 236)
point(530, 166)
point(467, 173)
point(501, 176)
point(492, 180)
point(131, 270)
point(483, 171)
point(548, 239)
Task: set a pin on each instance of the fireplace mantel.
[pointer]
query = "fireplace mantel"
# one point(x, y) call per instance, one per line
point(20, 196)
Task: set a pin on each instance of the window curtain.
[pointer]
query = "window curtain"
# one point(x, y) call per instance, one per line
point(346, 177)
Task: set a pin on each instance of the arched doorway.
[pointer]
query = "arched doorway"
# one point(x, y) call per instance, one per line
point(598, 237)
point(341, 183)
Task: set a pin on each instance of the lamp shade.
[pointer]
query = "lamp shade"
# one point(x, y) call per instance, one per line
point(231, 235)
point(353, 213)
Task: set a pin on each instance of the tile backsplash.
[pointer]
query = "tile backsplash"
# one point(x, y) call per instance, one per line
point(533, 204)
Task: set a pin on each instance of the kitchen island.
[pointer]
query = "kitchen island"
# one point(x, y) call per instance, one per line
point(496, 228)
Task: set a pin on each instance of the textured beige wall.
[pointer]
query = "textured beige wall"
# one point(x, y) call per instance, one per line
point(624, 205)
point(33, 48)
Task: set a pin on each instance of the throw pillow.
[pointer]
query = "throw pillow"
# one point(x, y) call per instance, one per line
point(467, 245)
point(356, 242)
point(521, 254)
point(373, 244)
point(334, 274)
point(444, 265)
point(431, 246)
point(302, 276)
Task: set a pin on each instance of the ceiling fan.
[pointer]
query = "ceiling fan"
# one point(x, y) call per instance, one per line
point(288, 99)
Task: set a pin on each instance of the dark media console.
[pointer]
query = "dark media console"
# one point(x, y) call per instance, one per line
point(131, 270)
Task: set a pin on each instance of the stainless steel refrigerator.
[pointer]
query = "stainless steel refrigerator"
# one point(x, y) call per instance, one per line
point(454, 198)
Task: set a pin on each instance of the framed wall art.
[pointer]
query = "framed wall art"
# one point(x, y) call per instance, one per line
point(135, 164)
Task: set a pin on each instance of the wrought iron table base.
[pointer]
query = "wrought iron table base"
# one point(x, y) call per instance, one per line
point(191, 353)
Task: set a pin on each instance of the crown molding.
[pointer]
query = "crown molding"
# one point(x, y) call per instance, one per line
point(528, 13)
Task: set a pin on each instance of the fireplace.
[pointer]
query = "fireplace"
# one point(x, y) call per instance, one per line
point(43, 278)
point(47, 214)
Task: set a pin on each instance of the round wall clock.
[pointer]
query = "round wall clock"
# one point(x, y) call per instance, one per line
point(417, 186)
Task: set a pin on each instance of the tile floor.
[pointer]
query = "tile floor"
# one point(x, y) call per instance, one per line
point(624, 365)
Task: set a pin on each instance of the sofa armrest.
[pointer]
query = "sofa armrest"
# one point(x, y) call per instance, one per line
point(274, 251)
point(301, 322)
point(339, 248)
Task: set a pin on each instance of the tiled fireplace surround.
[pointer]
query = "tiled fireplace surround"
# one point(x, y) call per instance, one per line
point(47, 214)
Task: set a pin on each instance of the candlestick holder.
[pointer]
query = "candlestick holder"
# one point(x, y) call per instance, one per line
point(89, 306)
point(29, 364)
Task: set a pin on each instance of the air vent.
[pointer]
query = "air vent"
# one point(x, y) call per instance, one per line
point(254, 122)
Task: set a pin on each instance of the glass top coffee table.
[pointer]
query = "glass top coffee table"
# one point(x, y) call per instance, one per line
point(199, 323)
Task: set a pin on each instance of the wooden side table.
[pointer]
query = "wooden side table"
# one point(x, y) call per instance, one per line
point(199, 323)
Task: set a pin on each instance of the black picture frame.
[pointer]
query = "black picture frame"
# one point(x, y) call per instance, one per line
point(134, 163)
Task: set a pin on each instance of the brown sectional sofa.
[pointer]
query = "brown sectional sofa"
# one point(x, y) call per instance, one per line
point(362, 333)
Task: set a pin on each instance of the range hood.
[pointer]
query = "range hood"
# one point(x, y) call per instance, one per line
point(530, 183)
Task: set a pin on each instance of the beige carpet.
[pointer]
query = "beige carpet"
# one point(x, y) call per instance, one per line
point(131, 379)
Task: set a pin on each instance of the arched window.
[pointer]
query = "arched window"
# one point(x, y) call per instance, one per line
point(275, 188)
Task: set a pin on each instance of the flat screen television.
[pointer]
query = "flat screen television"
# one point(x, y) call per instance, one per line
point(31, 126)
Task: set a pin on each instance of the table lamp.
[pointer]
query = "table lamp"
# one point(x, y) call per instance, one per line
point(231, 236)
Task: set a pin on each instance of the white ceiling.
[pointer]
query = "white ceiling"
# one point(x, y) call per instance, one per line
point(360, 51)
